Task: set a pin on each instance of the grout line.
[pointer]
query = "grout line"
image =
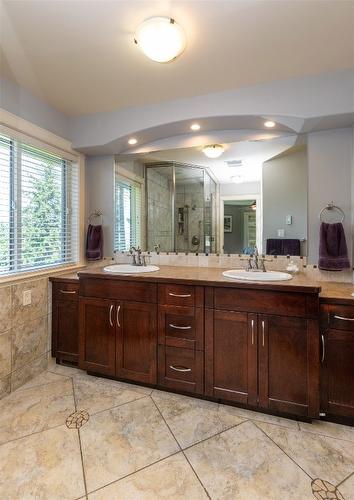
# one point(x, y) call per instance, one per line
point(33, 433)
point(79, 438)
point(117, 406)
point(168, 427)
point(23, 388)
point(343, 480)
point(214, 435)
point(281, 449)
point(196, 475)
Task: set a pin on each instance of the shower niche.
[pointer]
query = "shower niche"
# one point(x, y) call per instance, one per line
point(181, 208)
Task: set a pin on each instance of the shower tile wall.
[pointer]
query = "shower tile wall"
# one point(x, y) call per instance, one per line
point(159, 191)
point(191, 196)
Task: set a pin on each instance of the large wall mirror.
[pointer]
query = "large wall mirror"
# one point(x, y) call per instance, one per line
point(180, 200)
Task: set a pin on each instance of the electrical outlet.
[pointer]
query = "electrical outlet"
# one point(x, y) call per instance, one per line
point(27, 297)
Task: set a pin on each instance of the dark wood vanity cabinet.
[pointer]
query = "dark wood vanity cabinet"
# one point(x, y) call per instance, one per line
point(337, 361)
point(265, 360)
point(65, 321)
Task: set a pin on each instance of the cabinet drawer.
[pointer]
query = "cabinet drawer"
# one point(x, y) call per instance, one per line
point(263, 301)
point(341, 317)
point(181, 369)
point(181, 295)
point(118, 289)
point(65, 291)
point(181, 327)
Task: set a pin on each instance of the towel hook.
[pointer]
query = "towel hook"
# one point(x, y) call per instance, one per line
point(94, 215)
point(331, 206)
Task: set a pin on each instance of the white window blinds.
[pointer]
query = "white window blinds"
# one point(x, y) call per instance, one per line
point(127, 214)
point(38, 208)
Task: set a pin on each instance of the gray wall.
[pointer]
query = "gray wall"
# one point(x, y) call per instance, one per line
point(100, 195)
point(330, 156)
point(284, 187)
point(22, 103)
point(233, 242)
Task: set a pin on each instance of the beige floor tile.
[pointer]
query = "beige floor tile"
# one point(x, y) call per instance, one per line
point(243, 464)
point(192, 420)
point(320, 456)
point(347, 488)
point(68, 371)
point(35, 409)
point(329, 429)
point(120, 441)
point(43, 379)
point(44, 466)
point(264, 417)
point(96, 394)
point(171, 478)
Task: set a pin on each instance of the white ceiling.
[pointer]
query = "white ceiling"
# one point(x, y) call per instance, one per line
point(79, 55)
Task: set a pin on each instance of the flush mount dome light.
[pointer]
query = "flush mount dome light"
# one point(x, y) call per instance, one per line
point(160, 38)
point(269, 124)
point(132, 141)
point(213, 151)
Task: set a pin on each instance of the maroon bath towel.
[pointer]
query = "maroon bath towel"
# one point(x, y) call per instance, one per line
point(94, 242)
point(333, 248)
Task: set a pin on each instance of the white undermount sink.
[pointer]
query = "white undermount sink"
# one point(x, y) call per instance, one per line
point(243, 275)
point(130, 269)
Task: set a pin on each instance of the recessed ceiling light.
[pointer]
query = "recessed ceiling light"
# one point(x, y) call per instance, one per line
point(213, 151)
point(132, 141)
point(195, 127)
point(269, 124)
point(160, 38)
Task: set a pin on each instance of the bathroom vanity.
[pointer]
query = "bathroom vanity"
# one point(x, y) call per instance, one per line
point(191, 330)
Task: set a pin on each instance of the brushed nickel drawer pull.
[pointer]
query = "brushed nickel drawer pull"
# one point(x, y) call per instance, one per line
point(182, 296)
point(110, 314)
point(323, 348)
point(180, 369)
point(179, 327)
point(117, 317)
point(67, 291)
point(263, 328)
point(252, 325)
point(343, 318)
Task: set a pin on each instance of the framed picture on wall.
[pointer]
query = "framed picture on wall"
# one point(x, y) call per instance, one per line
point(227, 223)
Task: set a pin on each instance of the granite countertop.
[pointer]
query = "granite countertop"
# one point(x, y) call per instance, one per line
point(328, 291)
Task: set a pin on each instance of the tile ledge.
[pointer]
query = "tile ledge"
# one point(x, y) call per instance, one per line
point(33, 275)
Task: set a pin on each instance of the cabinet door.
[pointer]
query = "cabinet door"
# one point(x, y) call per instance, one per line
point(97, 335)
point(231, 356)
point(288, 365)
point(338, 373)
point(136, 357)
point(65, 334)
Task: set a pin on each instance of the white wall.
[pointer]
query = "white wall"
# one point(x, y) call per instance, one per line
point(232, 188)
point(100, 196)
point(330, 163)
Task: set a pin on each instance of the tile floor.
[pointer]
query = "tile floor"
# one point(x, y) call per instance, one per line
point(68, 435)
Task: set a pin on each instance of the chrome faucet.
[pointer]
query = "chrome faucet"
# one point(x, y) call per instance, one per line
point(256, 263)
point(138, 259)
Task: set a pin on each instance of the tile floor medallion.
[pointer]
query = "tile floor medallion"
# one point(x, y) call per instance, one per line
point(66, 435)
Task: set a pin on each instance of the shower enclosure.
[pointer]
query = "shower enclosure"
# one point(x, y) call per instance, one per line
point(180, 208)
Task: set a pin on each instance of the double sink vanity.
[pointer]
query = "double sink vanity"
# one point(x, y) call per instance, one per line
point(285, 347)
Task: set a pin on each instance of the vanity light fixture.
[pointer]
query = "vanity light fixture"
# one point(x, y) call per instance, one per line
point(195, 127)
point(213, 151)
point(269, 124)
point(132, 141)
point(160, 38)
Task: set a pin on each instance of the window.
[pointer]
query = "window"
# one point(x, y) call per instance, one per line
point(127, 214)
point(38, 208)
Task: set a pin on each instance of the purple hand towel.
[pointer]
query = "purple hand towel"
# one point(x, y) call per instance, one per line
point(333, 248)
point(94, 242)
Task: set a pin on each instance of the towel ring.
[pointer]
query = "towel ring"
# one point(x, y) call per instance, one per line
point(95, 215)
point(331, 206)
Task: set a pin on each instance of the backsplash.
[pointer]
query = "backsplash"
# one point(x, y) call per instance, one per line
point(25, 333)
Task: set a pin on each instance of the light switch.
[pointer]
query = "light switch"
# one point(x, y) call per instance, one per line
point(27, 297)
point(289, 219)
point(281, 233)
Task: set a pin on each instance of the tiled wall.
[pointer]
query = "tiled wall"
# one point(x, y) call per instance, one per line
point(25, 333)
point(159, 210)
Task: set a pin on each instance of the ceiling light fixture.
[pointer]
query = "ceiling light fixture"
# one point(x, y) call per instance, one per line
point(160, 38)
point(213, 151)
point(132, 141)
point(195, 127)
point(269, 124)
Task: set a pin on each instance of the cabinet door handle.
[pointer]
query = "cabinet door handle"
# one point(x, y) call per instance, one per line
point(179, 327)
point(67, 291)
point(117, 317)
point(323, 348)
point(252, 326)
point(263, 332)
point(183, 296)
point(110, 315)
point(343, 318)
point(180, 368)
